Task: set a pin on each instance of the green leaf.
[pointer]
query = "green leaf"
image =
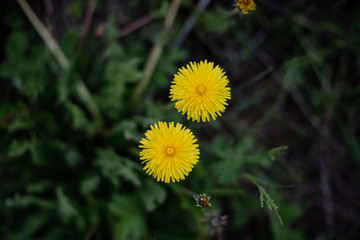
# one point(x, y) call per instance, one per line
point(89, 185)
point(129, 220)
point(77, 115)
point(128, 129)
point(217, 20)
point(18, 148)
point(38, 187)
point(169, 66)
point(73, 157)
point(115, 168)
point(152, 194)
point(111, 31)
point(66, 209)
point(16, 45)
point(159, 11)
point(8, 70)
point(114, 50)
point(265, 197)
point(20, 123)
point(294, 71)
point(27, 200)
point(76, 9)
point(233, 158)
point(277, 152)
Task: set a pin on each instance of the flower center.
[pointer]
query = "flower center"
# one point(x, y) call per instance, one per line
point(170, 151)
point(200, 90)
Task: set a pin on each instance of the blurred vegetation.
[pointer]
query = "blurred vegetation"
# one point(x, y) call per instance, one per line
point(71, 119)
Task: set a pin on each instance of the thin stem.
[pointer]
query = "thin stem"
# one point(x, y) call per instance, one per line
point(87, 23)
point(189, 24)
point(82, 90)
point(11, 114)
point(156, 51)
point(136, 24)
point(273, 110)
point(253, 80)
point(45, 35)
point(226, 192)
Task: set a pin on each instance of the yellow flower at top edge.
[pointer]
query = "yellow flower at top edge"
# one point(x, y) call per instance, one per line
point(169, 151)
point(246, 5)
point(201, 90)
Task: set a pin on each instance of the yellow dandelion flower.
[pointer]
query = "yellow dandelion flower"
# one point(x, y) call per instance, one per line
point(246, 5)
point(169, 152)
point(200, 91)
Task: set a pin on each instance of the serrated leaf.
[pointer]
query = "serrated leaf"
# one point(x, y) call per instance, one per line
point(277, 152)
point(265, 197)
point(232, 158)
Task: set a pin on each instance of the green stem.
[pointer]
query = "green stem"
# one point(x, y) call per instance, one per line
point(252, 80)
point(226, 192)
point(273, 110)
point(251, 178)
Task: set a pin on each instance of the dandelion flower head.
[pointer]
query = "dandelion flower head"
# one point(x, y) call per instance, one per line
point(246, 5)
point(169, 151)
point(202, 200)
point(201, 90)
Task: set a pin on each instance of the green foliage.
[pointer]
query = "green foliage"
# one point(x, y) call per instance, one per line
point(69, 136)
point(115, 167)
point(128, 218)
point(217, 20)
point(265, 197)
point(236, 158)
point(277, 152)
